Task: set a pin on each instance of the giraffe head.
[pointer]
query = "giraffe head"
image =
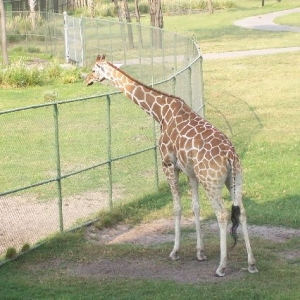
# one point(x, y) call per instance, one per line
point(98, 73)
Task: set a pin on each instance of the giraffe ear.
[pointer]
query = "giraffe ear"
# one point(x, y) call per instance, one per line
point(98, 58)
point(103, 56)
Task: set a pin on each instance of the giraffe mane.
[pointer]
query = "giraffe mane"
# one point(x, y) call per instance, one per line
point(143, 84)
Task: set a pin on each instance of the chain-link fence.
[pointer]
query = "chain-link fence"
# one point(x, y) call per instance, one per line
point(64, 161)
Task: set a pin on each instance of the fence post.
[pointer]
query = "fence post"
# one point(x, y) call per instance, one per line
point(109, 153)
point(202, 87)
point(67, 54)
point(155, 156)
point(58, 168)
point(81, 26)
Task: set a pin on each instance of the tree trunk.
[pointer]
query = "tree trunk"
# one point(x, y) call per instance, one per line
point(3, 35)
point(138, 20)
point(210, 7)
point(128, 21)
point(137, 12)
point(32, 4)
point(156, 16)
point(91, 5)
point(156, 20)
point(119, 11)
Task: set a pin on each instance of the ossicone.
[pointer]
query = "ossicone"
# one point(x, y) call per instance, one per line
point(100, 57)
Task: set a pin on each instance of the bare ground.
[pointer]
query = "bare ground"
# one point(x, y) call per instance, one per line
point(25, 219)
point(30, 220)
point(186, 270)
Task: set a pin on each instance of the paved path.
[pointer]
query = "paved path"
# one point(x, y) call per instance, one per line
point(265, 22)
point(237, 54)
point(261, 22)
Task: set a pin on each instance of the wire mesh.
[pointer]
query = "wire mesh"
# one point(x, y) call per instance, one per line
point(64, 161)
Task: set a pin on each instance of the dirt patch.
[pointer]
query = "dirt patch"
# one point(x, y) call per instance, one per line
point(182, 271)
point(24, 219)
point(186, 270)
point(159, 231)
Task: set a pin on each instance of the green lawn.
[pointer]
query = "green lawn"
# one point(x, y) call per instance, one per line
point(291, 20)
point(255, 101)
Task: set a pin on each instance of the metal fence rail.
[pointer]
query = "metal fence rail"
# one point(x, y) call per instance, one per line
point(59, 157)
point(61, 162)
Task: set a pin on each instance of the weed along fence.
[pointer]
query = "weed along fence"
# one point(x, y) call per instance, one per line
point(62, 162)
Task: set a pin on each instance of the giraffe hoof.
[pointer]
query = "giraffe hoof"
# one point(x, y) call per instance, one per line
point(252, 269)
point(201, 256)
point(220, 272)
point(174, 255)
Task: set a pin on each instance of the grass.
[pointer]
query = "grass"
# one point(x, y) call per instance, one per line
point(217, 33)
point(254, 100)
point(291, 20)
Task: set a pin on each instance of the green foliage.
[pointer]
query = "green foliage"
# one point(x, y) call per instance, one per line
point(20, 75)
point(10, 253)
point(255, 101)
point(24, 73)
point(25, 247)
point(169, 7)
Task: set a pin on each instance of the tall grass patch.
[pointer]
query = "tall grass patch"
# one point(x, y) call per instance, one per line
point(19, 75)
point(26, 73)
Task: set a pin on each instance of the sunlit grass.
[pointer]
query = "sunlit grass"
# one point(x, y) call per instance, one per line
point(291, 20)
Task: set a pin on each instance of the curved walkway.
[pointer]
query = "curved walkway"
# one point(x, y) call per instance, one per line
point(265, 22)
point(261, 22)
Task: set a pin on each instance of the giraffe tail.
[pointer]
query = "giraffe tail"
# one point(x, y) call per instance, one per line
point(235, 219)
point(235, 209)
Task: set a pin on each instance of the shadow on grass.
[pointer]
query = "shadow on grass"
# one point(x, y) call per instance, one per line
point(277, 212)
point(135, 211)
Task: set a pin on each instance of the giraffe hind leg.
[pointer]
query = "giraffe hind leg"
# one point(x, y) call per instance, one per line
point(239, 217)
point(196, 210)
point(215, 197)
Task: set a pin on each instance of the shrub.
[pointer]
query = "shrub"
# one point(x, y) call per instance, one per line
point(25, 247)
point(24, 74)
point(20, 75)
point(10, 253)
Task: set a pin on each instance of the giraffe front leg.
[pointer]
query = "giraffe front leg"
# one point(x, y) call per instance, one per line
point(172, 175)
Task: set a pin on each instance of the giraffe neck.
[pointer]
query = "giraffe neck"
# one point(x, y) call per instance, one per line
point(148, 99)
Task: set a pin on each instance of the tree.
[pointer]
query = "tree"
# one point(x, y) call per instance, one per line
point(210, 6)
point(118, 9)
point(128, 21)
point(32, 4)
point(138, 20)
point(3, 36)
point(156, 20)
point(137, 12)
point(156, 16)
point(91, 6)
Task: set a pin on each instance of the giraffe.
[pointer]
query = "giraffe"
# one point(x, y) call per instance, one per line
point(190, 144)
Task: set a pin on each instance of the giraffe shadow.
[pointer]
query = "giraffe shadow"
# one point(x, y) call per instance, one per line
point(138, 209)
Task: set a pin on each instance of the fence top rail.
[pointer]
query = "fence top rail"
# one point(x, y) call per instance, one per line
point(57, 103)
